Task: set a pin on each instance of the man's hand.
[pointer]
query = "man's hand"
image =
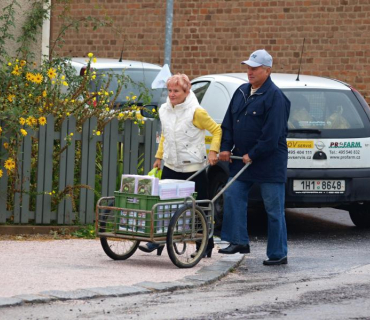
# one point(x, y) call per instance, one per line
point(246, 159)
point(224, 156)
point(157, 163)
point(212, 157)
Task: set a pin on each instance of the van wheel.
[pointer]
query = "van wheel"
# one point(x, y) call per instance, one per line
point(360, 215)
point(217, 182)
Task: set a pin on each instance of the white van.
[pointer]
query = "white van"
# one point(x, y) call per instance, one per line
point(328, 141)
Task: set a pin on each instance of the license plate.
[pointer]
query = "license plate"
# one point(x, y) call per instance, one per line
point(319, 186)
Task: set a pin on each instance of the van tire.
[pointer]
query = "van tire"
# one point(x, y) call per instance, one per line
point(360, 215)
point(216, 183)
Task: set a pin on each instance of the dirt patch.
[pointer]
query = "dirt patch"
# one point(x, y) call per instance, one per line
point(36, 237)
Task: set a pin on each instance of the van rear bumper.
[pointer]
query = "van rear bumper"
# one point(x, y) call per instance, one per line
point(357, 188)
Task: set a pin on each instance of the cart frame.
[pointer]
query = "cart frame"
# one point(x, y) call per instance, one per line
point(183, 228)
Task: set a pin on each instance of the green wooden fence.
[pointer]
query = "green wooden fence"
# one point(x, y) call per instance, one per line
point(133, 142)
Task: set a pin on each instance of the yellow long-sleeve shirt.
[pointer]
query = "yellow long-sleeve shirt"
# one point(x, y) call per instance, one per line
point(202, 121)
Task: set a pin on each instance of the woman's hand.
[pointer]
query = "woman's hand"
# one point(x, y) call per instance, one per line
point(212, 157)
point(157, 163)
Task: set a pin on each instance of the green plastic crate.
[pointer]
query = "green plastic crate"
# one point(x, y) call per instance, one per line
point(138, 223)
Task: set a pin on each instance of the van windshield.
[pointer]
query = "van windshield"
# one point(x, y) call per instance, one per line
point(326, 110)
point(140, 80)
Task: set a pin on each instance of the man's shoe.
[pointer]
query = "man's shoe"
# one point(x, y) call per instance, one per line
point(234, 248)
point(275, 262)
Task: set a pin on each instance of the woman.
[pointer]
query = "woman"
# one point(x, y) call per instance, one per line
point(182, 144)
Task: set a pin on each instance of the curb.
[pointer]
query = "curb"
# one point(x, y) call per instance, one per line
point(204, 276)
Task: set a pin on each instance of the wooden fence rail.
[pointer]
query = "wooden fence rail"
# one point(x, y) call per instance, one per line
point(97, 158)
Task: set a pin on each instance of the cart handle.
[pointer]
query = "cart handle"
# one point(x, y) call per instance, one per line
point(229, 183)
point(232, 180)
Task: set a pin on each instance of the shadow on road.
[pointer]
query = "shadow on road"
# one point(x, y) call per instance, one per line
point(305, 223)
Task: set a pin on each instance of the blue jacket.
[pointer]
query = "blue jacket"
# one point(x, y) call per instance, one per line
point(257, 125)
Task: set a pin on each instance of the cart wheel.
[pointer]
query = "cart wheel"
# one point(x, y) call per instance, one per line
point(181, 241)
point(115, 248)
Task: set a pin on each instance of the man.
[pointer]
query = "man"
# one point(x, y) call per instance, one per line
point(255, 128)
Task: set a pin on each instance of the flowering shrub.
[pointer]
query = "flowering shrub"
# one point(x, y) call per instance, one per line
point(31, 91)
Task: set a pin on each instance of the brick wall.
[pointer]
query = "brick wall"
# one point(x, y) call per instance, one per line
point(213, 36)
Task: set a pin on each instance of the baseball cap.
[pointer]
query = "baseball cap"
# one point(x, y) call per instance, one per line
point(259, 58)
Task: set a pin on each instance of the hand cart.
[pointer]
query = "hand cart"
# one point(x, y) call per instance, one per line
point(184, 225)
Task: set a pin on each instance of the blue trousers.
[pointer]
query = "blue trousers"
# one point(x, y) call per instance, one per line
point(234, 224)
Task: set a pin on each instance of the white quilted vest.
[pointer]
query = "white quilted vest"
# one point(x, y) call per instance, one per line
point(184, 144)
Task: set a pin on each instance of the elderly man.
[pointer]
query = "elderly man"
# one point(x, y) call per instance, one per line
point(255, 128)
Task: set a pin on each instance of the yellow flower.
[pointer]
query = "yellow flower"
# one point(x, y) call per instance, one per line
point(71, 134)
point(23, 132)
point(153, 110)
point(98, 133)
point(142, 122)
point(22, 121)
point(94, 60)
point(67, 114)
point(6, 145)
point(127, 98)
point(44, 93)
point(65, 83)
point(38, 77)
point(93, 77)
point(107, 109)
point(1, 130)
point(29, 76)
point(16, 71)
point(134, 97)
point(11, 97)
point(1, 173)
point(63, 77)
point(42, 121)
point(90, 55)
point(9, 164)
point(29, 121)
point(23, 63)
point(52, 73)
point(9, 64)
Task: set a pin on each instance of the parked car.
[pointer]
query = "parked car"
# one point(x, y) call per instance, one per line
point(138, 71)
point(328, 141)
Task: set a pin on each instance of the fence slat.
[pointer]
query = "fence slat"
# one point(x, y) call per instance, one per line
point(70, 162)
point(84, 163)
point(3, 185)
point(105, 160)
point(66, 170)
point(127, 147)
point(113, 153)
point(134, 156)
point(26, 175)
point(48, 170)
point(88, 170)
point(91, 165)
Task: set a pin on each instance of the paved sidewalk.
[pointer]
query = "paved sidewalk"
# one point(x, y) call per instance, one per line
point(42, 271)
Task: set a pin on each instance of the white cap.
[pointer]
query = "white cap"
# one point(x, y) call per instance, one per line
point(259, 58)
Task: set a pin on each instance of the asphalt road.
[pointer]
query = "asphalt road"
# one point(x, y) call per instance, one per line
point(327, 277)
